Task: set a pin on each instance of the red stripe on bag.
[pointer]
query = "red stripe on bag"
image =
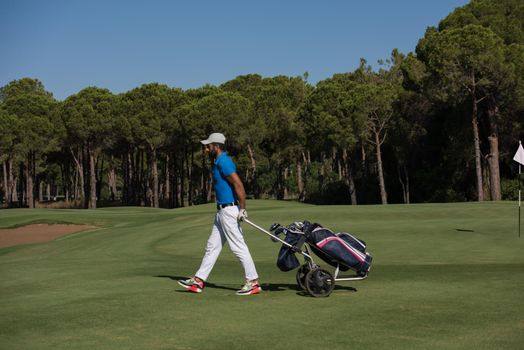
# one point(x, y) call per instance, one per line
point(352, 250)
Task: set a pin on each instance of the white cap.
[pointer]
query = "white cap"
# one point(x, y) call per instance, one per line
point(215, 137)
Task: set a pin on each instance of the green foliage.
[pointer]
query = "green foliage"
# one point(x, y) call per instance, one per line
point(88, 117)
point(224, 112)
point(505, 18)
point(25, 86)
point(510, 189)
point(272, 126)
point(464, 60)
point(328, 118)
point(9, 135)
point(27, 118)
point(147, 114)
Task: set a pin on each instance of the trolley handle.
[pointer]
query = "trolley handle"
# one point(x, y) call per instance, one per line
point(292, 247)
point(268, 233)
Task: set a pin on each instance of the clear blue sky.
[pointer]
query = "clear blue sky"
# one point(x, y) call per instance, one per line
point(120, 45)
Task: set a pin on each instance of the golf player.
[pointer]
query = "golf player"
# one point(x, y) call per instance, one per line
point(231, 209)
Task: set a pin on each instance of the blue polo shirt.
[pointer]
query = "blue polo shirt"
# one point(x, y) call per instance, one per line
point(222, 168)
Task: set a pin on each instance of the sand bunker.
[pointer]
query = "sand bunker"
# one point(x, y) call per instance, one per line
point(37, 233)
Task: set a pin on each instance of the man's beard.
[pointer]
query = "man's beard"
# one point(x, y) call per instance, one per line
point(212, 155)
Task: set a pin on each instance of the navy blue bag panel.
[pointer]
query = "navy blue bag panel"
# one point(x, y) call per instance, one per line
point(287, 260)
point(353, 241)
point(334, 249)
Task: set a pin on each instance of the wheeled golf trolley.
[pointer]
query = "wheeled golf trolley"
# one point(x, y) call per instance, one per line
point(342, 251)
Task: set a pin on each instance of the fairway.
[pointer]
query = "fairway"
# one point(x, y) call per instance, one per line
point(445, 276)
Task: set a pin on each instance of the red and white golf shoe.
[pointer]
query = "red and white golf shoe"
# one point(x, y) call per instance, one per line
point(192, 285)
point(250, 288)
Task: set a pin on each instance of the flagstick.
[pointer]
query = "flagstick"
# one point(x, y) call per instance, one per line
point(519, 158)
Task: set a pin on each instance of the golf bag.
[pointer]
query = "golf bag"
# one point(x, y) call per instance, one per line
point(287, 260)
point(338, 249)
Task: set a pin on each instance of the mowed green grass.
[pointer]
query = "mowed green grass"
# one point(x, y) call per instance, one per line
point(445, 276)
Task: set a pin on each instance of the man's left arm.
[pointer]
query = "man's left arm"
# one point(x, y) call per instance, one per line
point(234, 180)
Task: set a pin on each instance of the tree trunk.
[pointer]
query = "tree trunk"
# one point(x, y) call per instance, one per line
point(79, 188)
point(254, 175)
point(307, 162)
point(363, 155)
point(352, 187)
point(333, 162)
point(92, 179)
point(280, 183)
point(476, 140)
point(111, 180)
point(75, 188)
point(190, 178)
point(286, 175)
point(209, 189)
point(149, 190)
point(125, 176)
point(149, 179)
point(13, 196)
point(65, 180)
point(181, 177)
point(322, 172)
point(154, 170)
point(404, 181)
point(129, 177)
point(6, 185)
point(41, 191)
point(189, 175)
point(176, 190)
point(167, 185)
point(300, 182)
point(478, 159)
point(493, 158)
point(141, 187)
point(135, 170)
point(408, 188)
point(99, 177)
point(87, 180)
point(29, 182)
point(174, 181)
point(22, 185)
point(348, 176)
point(382, 185)
point(13, 180)
point(203, 177)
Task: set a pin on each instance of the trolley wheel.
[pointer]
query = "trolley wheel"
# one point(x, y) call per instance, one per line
point(301, 276)
point(319, 283)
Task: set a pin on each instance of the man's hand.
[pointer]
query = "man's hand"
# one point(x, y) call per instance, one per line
point(242, 214)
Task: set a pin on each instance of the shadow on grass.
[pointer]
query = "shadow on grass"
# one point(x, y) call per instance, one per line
point(346, 288)
point(269, 287)
point(207, 285)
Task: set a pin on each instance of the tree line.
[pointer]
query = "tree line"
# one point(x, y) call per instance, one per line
point(437, 124)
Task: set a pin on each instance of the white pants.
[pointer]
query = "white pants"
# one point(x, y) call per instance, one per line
point(227, 229)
